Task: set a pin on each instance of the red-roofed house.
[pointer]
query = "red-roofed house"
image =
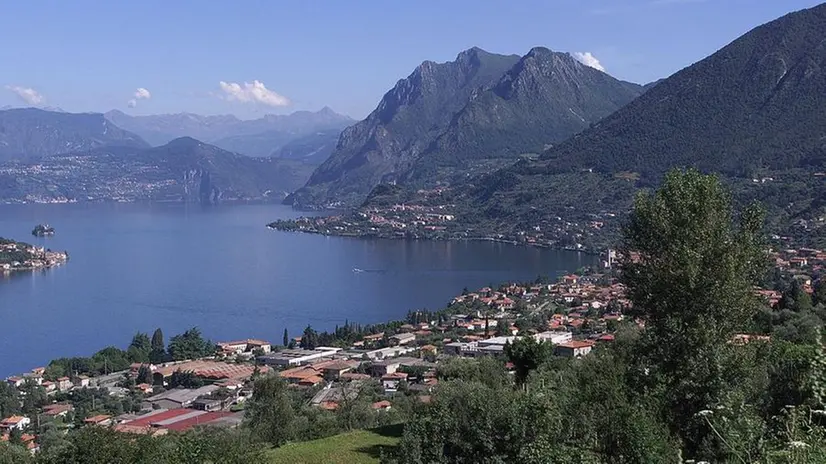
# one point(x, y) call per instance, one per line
point(390, 382)
point(382, 405)
point(100, 419)
point(574, 348)
point(15, 422)
point(57, 410)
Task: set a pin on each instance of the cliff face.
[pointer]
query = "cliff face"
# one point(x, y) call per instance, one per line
point(450, 120)
point(406, 121)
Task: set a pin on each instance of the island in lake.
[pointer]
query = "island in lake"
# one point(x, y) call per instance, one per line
point(19, 256)
point(42, 230)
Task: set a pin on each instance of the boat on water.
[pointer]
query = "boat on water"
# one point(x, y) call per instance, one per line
point(43, 230)
point(355, 269)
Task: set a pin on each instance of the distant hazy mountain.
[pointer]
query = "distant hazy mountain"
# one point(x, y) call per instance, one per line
point(257, 137)
point(182, 170)
point(30, 133)
point(464, 117)
point(313, 148)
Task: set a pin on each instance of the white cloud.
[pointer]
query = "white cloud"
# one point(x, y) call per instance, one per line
point(255, 92)
point(588, 59)
point(142, 94)
point(27, 94)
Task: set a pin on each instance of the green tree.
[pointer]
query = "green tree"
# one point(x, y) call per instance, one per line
point(309, 340)
point(144, 374)
point(157, 340)
point(795, 298)
point(689, 267)
point(270, 414)
point(185, 379)
point(16, 437)
point(819, 296)
point(14, 454)
point(110, 359)
point(286, 340)
point(503, 327)
point(34, 397)
point(157, 353)
point(9, 400)
point(139, 348)
point(527, 354)
point(190, 345)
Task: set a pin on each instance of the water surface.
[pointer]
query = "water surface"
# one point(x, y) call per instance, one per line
point(138, 267)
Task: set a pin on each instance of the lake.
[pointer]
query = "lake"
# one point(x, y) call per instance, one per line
point(137, 267)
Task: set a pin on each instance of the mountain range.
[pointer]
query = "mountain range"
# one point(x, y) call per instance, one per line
point(183, 170)
point(752, 111)
point(256, 137)
point(30, 133)
point(451, 120)
point(48, 156)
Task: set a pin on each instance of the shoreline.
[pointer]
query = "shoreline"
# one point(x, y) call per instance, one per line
point(444, 239)
point(32, 268)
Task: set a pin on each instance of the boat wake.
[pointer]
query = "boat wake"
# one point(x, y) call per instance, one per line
point(375, 271)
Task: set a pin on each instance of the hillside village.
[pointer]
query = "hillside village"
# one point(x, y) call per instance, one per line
point(432, 219)
point(577, 314)
point(18, 256)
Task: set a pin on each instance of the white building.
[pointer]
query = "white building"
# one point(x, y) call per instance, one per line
point(15, 422)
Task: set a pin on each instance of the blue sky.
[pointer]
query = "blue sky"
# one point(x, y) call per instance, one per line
point(282, 56)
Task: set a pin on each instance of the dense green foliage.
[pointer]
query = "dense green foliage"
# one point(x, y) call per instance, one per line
point(190, 345)
point(92, 445)
point(754, 104)
point(676, 389)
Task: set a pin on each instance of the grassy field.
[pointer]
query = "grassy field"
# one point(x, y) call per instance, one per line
point(359, 447)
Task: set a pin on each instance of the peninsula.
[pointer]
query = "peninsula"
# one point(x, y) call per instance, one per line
point(19, 256)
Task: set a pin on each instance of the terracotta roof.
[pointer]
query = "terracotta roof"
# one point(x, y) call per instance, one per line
point(574, 344)
point(202, 419)
point(157, 416)
point(299, 373)
point(339, 365)
point(311, 380)
point(213, 370)
point(12, 420)
point(328, 405)
point(55, 409)
point(97, 419)
point(354, 376)
point(383, 404)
